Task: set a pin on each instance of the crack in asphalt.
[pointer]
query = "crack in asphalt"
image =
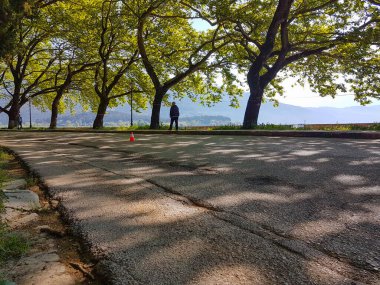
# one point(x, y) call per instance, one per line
point(330, 259)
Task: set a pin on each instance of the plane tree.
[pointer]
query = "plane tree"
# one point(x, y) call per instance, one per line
point(331, 44)
point(94, 60)
point(177, 57)
point(67, 75)
point(26, 73)
point(74, 59)
point(117, 53)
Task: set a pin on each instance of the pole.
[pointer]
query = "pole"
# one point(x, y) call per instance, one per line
point(131, 105)
point(30, 112)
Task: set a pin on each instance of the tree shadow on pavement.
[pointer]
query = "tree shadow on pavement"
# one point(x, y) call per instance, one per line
point(219, 210)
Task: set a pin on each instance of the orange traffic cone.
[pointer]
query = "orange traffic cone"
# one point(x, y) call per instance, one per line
point(131, 137)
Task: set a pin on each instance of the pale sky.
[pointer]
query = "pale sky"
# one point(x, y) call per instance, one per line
point(304, 97)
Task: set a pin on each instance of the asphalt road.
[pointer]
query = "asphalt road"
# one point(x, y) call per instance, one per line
point(216, 209)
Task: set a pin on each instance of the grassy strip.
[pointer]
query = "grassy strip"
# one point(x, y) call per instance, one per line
point(4, 158)
point(301, 127)
point(12, 245)
point(353, 127)
point(327, 127)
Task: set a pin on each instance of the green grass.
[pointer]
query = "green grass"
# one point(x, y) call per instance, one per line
point(3, 176)
point(31, 181)
point(2, 197)
point(258, 127)
point(4, 158)
point(130, 128)
point(12, 245)
point(327, 127)
point(323, 127)
point(349, 127)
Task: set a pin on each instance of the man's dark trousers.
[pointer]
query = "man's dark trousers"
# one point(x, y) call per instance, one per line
point(174, 119)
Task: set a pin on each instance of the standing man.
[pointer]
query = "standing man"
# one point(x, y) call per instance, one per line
point(174, 114)
point(19, 122)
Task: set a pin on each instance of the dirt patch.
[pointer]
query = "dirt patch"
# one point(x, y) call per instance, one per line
point(265, 180)
point(47, 234)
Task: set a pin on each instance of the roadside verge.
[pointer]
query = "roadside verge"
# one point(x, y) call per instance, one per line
point(266, 133)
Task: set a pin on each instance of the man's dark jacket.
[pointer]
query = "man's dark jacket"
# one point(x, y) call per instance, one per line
point(174, 111)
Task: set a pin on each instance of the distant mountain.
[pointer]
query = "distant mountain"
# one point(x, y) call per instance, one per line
point(289, 114)
point(220, 114)
point(283, 114)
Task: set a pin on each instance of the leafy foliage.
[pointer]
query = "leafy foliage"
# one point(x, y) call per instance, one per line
point(104, 53)
point(330, 44)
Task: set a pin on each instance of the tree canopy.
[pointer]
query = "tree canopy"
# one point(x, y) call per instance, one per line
point(330, 44)
point(98, 53)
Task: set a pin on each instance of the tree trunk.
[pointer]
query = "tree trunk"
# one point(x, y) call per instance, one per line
point(256, 95)
point(98, 122)
point(155, 118)
point(253, 108)
point(54, 110)
point(13, 115)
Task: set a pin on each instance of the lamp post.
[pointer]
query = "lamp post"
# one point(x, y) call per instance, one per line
point(30, 112)
point(131, 104)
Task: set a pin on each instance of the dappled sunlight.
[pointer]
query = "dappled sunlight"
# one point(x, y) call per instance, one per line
point(272, 157)
point(105, 147)
point(275, 159)
point(373, 190)
point(88, 171)
point(236, 198)
point(306, 152)
point(113, 141)
point(248, 156)
point(304, 168)
point(322, 160)
point(48, 162)
point(160, 173)
point(225, 151)
point(282, 197)
point(232, 274)
point(221, 169)
point(125, 182)
point(315, 230)
point(185, 143)
point(326, 276)
point(364, 162)
point(350, 179)
point(172, 203)
point(147, 170)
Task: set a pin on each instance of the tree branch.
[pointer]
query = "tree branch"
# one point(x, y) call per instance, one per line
point(309, 10)
point(145, 59)
point(246, 36)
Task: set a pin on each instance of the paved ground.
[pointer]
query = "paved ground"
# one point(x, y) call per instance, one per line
point(217, 209)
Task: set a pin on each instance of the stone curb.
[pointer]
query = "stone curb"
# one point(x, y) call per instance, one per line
point(271, 133)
